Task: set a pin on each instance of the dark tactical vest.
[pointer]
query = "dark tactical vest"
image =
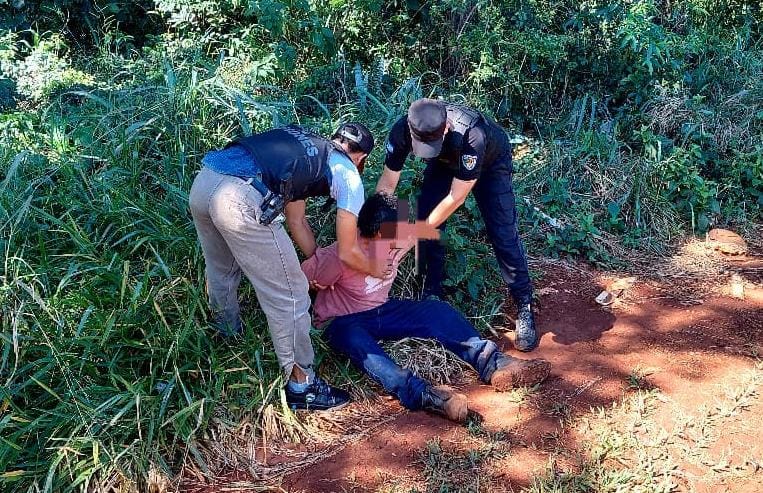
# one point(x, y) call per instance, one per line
point(292, 154)
point(462, 119)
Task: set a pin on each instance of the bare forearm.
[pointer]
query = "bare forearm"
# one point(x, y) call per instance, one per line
point(443, 211)
point(299, 228)
point(303, 236)
point(459, 189)
point(388, 181)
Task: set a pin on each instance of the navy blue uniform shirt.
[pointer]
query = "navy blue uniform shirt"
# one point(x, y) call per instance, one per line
point(481, 145)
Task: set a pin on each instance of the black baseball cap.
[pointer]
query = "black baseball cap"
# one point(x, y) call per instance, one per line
point(427, 120)
point(357, 133)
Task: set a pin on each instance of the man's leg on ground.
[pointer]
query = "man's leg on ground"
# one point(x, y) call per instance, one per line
point(356, 336)
point(440, 321)
point(221, 269)
point(351, 335)
point(430, 319)
point(436, 185)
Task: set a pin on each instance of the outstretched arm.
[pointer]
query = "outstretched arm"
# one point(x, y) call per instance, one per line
point(459, 189)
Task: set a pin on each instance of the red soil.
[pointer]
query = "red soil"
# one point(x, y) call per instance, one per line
point(690, 352)
point(691, 349)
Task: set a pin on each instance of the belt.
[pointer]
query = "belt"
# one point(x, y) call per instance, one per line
point(273, 203)
point(256, 180)
point(257, 184)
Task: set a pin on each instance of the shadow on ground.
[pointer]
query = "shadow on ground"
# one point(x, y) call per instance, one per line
point(599, 356)
point(648, 341)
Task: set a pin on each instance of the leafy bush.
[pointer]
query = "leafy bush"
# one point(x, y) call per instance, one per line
point(40, 68)
point(641, 121)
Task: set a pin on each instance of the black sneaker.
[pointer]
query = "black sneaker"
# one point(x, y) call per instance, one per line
point(318, 396)
point(526, 335)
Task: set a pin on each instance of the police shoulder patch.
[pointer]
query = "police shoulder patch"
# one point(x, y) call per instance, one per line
point(469, 161)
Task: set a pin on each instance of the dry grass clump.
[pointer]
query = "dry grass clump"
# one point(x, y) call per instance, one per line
point(158, 482)
point(667, 114)
point(694, 271)
point(427, 359)
point(696, 259)
point(256, 453)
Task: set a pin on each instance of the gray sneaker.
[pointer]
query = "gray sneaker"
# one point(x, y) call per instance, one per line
point(526, 336)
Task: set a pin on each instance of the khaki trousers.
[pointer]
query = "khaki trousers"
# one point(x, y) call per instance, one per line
point(225, 211)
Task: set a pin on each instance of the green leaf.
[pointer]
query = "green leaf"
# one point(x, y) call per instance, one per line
point(614, 210)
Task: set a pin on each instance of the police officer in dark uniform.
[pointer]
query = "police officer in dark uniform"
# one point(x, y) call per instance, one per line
point(239, 202)
point(463, 150)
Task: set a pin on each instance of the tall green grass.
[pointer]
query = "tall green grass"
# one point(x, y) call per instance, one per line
point(107, 362)
point(108, 365)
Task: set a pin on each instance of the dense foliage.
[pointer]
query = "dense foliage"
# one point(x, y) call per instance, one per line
point(636, 121)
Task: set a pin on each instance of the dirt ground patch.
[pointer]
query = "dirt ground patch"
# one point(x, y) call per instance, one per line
point(659, 391)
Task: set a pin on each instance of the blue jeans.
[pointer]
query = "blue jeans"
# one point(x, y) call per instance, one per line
point(494, 193)
point(357, 336)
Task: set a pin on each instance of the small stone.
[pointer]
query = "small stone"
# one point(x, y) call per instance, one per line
point(605, 298)
point(726, 242)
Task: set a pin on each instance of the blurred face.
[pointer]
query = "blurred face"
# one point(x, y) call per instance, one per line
point(384, 242)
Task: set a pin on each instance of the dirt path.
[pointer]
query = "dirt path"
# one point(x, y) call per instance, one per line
point(659, 392)
point(680, 358)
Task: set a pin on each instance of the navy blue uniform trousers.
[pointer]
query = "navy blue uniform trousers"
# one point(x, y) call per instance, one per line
point(357, 336)
point(495, 198)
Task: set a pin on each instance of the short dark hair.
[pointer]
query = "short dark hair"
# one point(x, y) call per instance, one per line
point(378, 209)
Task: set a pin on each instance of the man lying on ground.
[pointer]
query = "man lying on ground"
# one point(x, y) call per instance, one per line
point(356, 312)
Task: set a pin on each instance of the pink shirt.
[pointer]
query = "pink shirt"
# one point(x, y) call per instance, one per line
point(353, 291)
